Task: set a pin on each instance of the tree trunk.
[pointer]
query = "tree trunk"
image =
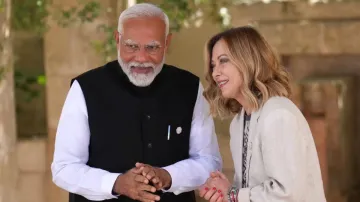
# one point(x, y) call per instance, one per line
point(8, 168)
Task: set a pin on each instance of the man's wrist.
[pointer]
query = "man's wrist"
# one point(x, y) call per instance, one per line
point(168, 180)
point(116, 189)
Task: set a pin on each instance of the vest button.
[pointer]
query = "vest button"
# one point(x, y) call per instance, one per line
point(149, 145)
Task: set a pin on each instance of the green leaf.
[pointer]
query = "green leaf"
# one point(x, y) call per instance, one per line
point(41, 80)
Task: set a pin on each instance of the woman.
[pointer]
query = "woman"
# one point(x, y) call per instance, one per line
point(273, 150)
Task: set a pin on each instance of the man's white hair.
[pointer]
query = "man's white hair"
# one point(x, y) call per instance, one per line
point(143, 10)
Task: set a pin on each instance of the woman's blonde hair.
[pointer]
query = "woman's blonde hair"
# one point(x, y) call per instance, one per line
point(262, 75)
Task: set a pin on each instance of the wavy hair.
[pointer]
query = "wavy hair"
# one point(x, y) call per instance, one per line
point(262, 75)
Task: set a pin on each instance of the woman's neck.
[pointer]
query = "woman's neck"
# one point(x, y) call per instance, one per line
point(245, 104)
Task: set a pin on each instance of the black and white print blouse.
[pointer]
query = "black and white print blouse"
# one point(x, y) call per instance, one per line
point(245, 146)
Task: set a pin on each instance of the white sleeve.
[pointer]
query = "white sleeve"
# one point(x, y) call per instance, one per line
point(69, 169)
point(189, 174)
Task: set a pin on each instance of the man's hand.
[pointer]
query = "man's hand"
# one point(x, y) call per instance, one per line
point(158, 176)
point(135, 186)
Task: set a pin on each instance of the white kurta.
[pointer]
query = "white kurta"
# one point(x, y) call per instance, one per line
point(282, 161)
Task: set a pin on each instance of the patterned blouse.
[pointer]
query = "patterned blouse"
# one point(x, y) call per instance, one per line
point(245, 145)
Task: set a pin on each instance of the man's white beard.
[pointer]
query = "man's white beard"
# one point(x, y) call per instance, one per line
point(139, 79)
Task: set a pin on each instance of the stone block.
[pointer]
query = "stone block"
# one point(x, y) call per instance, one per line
point(329, 109)
point(296, 10)
point(31, 155)
point(31, 187)
point(53, 193)
point(312, 38)
point(56, 98)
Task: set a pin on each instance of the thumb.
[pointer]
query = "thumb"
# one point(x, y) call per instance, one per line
point(138, 165)
point(136, 170)
point(222, 175)
point(214, 174)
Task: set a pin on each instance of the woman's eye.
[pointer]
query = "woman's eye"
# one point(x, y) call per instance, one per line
point(224, 60)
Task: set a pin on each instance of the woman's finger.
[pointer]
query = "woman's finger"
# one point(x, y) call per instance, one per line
point(210, 193)
point(221, 198)
point(203, 190)
point(216, 196)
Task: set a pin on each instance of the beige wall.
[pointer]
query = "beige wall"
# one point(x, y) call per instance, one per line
point(31, 184)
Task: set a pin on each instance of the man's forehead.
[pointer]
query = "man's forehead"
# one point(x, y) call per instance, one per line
point(144, 29)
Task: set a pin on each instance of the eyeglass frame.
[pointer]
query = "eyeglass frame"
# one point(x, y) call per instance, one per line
point(128, 42)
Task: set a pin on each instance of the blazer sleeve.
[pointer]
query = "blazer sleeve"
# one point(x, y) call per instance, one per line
point(283, 151)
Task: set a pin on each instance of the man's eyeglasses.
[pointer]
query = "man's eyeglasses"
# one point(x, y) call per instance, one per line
point(132, 47)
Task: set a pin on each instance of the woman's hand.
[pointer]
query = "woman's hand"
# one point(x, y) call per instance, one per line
point(216, 188)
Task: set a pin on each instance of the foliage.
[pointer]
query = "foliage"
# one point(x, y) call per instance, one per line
point(26, 84)
point(83, 13)
point(29, 15)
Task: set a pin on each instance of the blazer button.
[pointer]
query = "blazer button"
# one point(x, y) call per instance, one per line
point(149, 145)
point(148, 117)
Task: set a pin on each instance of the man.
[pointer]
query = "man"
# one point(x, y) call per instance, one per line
point(135, 128)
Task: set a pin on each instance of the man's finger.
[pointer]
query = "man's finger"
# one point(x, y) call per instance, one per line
point(151, 174)
point(145, 200)
point(146, 187)
point(138, 165)
point(141, 179)
point(136, 170)
point(158, 186)
point(148, 196)
point(145, 170)
point(156, 180)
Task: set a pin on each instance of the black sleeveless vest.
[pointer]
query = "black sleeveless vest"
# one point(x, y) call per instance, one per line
point(129, 124)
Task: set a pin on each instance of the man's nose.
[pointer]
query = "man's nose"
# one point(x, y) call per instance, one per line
point(142, 55)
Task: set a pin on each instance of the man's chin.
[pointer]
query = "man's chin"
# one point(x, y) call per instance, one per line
point(144, 71)
point(141, 80)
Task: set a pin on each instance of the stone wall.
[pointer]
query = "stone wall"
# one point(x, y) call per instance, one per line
point(8, 169)
point(31, 156)
point(301, 28)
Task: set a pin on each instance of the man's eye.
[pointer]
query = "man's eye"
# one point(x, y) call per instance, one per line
point(152, 47)
point(133, 46)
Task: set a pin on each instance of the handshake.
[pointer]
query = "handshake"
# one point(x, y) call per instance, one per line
point(140, 183)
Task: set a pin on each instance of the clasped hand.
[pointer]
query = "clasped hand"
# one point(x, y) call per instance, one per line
point(215, 188)
point(141, 182)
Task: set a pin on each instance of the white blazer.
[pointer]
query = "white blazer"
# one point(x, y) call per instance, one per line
point(282, 161)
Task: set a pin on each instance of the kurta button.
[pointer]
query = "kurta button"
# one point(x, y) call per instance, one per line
point(149, 145)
